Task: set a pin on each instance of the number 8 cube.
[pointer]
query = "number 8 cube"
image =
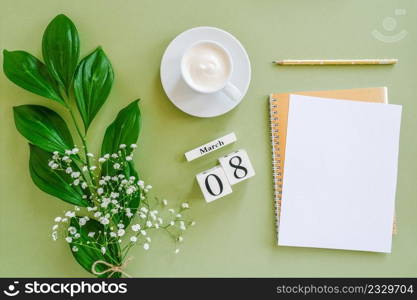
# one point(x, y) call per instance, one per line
point(237, 166)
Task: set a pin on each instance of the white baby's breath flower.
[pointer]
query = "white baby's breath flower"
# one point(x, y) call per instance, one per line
point(74, 249)
point(104, 221)
point(136, 227)
point(75, 151)
point(143, 232)
point(101, 182)
point(68, 152)
point(90, 154)
point(82, 221)
point(148, 239)
point(100, 191)
point(144, 209)
point(58, 219)
point(133, 239)
point(165, 202)
point(192, 223)
point(91, 234)
point(103, 250)
point(148, 223)
point(116, 166)
point(171, 211)
point(122, 146)
point(101, 160)
point(114, 155)
point(68, 239)
point(177, 251)
point(185, 205)
point(113, 234)
point(180, 239)
point(121, 232)
point(68, 170)
point(55, 227)
point(84, 185)
point(70, 214)
point(133, 146)
point(72, 230)
point(85, 168)
point(75, 174)
point(146, 246)
point(172, 223)
point(92, 168)
point(130, 190)
point(106, 156)
point(76, 182)
point(54, 235)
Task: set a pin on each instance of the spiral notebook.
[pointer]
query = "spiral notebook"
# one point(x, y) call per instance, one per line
point(279, 106)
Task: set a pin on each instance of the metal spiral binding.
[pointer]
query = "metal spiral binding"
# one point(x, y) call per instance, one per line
point(276, 163)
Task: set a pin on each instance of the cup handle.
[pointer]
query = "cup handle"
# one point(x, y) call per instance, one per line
point(232, 92)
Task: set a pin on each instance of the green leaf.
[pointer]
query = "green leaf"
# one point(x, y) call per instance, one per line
point(88, 253)
point(92, 84)
point(61, 50)
point(53, 182)
point(124, 129)
point(43, 127)
point(31, 74)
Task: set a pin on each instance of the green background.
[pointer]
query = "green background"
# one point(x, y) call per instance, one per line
point(234, 236)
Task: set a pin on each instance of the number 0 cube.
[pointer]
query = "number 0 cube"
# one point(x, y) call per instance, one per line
point(237, 166)
point(214, 184)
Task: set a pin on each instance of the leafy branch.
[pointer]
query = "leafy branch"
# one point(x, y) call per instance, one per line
point(108, 188)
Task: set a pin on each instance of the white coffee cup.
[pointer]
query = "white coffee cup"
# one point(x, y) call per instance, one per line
point(206, 67)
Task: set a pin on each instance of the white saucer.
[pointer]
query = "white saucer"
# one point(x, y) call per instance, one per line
point(186, 99)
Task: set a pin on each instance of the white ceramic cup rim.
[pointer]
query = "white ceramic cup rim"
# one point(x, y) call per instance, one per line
point(187, 80)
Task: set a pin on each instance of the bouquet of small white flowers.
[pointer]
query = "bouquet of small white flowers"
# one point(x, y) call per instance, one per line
point(112, 209)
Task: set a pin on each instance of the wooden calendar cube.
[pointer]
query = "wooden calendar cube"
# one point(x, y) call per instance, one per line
point(237, 166)
point(214, 184)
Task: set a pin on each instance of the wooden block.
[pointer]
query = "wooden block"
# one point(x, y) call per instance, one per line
point(237, 166)
point(214, 184)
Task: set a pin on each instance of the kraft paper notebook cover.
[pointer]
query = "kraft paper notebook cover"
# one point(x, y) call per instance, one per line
point(279, 103)
point(340, 174)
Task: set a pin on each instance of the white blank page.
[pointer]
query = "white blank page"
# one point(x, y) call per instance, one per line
point(340, 174)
